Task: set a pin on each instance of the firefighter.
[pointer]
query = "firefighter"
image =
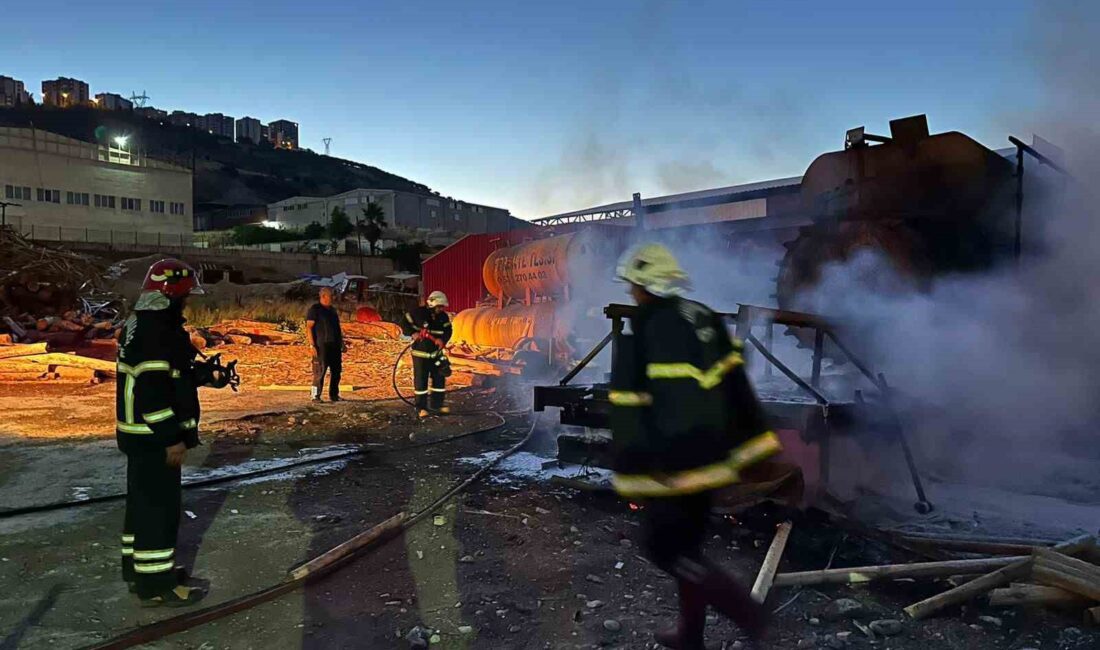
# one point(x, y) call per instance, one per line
point(684, 421)
point(157, 422)
point(430, 328)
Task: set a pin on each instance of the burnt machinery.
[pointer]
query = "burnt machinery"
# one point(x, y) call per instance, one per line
point(810, 414)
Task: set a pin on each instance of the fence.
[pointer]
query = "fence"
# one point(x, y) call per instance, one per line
point(39, 232)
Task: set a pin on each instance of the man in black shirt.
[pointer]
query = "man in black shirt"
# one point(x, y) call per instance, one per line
point(326, 344)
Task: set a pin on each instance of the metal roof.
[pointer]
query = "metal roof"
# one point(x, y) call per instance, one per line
point(625, 208)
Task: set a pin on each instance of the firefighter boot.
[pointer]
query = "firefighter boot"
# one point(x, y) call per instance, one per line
point(722, 592)
point(688, 633)
point(181, 596)
point(422, 413)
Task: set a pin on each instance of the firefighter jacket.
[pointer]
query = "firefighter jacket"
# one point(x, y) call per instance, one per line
point(684, 416)
point(430, 331)
point(157, 399)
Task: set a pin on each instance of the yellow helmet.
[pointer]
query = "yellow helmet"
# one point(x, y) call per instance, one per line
point(437, 298)
point(654, 268)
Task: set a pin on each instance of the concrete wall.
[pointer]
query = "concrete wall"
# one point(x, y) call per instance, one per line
point(40, 160)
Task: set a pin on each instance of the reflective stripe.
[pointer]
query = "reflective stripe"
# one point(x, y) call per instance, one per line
point(424, 355)
point(127, 551)
point(755, 450)
point(144, 366)
point(126, 427)
point(154, 568)
point(158, 416)
point(438, 390)
point(189, 424)
point(439, 332)
point(708, 477)
point(128, 538)
point(707, 379)
point(146, 556)
point(176, 374)
point(421, 392)
point(128, 397)
point(629, 398)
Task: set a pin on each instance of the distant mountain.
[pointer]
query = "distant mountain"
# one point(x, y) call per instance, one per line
point(225, 171)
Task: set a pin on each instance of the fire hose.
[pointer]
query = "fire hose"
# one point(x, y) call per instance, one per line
point(397, 391)
point(316, 569)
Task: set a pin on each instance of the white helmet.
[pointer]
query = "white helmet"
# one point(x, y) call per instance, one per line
point(437, 299)
point(654, 268)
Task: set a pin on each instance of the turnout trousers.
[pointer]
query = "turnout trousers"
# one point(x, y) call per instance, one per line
point(675, 529)
point(329, 359)
point(425, 372)
point(151, 522)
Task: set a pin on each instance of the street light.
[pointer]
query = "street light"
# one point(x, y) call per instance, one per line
point(120, 140)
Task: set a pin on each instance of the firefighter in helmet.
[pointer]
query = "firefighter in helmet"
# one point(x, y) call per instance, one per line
point(685, 420)
point(157, 422)
point(430, 328)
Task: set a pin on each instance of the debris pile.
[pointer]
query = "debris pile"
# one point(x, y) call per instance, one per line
point(51, 295)
point(242, 332)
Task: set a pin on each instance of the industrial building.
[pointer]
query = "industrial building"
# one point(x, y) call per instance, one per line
point(13, 92)
point(63, 189)
point(403, 210)
point(64, 92)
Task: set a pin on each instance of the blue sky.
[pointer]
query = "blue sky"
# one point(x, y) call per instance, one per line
point(543, 107)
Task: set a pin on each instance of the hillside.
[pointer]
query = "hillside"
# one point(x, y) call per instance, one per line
point(225, 172)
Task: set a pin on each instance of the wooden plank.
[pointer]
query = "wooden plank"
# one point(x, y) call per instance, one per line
point(307, 387)
point(998, 578)
point(766, 577)
point(22, 350)
point(1028, 594)
point(889, 571)
point(381, 532)
point(972, 546)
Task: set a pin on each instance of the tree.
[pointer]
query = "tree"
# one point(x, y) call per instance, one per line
point(407, 256)
point(339, 226)
point(314, 231)
point(374, 220)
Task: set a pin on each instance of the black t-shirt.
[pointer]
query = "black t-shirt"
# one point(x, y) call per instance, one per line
point(326, 325)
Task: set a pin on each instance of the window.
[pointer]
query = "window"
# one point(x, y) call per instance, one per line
point(9, 191)
point(49, 196)
point(176, 208)
point(104, 201)
point(434, 214)
point(131, 204)
point(82, 198)
point(156, 206)
point(288, 208)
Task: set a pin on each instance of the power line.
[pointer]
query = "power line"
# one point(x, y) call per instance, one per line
point(327, 141)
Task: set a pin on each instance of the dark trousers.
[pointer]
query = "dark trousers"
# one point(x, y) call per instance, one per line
point(675, 529)
point(151, 523)
point(427, 371)
point(329, 358)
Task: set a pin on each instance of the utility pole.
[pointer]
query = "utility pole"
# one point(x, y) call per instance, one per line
point(4, 212)
point(358, 237)
point(327, 142)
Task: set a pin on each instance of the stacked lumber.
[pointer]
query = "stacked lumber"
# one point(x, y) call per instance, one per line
point(34, 362)
point(372, 330)
point(243, 332)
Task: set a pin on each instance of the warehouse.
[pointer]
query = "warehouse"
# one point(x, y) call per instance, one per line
point(58, 188)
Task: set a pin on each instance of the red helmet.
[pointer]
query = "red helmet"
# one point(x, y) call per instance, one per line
point(173, 278)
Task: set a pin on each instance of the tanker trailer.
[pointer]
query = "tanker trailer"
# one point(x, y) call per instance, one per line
point(531, 320)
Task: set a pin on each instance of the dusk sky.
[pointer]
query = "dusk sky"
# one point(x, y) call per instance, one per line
point(543, 107)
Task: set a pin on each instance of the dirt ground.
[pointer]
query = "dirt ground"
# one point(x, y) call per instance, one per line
point(514, 562)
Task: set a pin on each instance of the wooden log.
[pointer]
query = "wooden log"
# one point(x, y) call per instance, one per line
point(5, 339)
point(239, 339)
point(998, 578)
point(23, 350)
point(891, 571)
point(1027, 594)
point(766, 576)
point(382, 531)
point(71, 360)
point(1066, 572)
